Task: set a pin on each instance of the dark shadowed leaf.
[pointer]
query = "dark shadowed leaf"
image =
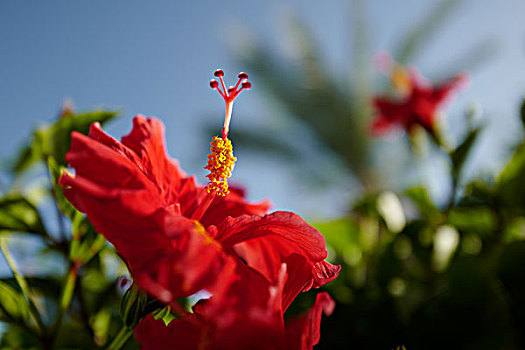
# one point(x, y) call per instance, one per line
point(477, 193)
point(63, 204)
point(30, 154)
point(510, 186)
point(420, 197)
point(20, 215)
point(15, 337)
point(512, 276)
point(460, 154)
point(12, 304)
point(48, 287)
point(132, 306)
point(479, 219)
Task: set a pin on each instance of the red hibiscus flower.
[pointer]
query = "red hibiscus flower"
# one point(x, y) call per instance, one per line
point(246, 315)
point(178, 237)
point(419, 104)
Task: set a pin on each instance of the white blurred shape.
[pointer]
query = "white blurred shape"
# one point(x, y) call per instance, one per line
point(390, 208)
point(445, 244)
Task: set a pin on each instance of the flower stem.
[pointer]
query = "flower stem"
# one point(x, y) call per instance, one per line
point(67, 295)
point(121, 339)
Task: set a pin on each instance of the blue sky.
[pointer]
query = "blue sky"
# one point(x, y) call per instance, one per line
point(157, 57)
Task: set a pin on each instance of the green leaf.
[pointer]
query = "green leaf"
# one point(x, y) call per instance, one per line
point(75, 335)
point(101, 325)
point(12, 304)
point(91, 245)
point(43, 286)
point(29, 155)
point(460, 154)
point(54, 140)
point(510, 186)
point(366, 205)
point(58, 136)
point(19, 215)
point(339, 234)
point(478, 219)
point(479, 192)
point(420, 197)
point(16, 337)
point(55, 170)
point(86, 242)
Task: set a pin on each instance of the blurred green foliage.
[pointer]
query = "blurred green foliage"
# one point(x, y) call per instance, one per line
point(415, 272)
point(78, 308)
point(451, 276)
point(53, 141)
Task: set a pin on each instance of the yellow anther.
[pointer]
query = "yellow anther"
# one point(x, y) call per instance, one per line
point(220, 164)
point(400, 80)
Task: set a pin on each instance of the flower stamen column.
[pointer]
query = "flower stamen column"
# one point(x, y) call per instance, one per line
point(221, 160)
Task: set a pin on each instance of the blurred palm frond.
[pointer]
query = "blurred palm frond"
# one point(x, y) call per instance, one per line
point(335, 105)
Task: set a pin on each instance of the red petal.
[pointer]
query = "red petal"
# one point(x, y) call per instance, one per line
point(299, 278)
point(441, 93)
point(194, 262)
point(245, 294)
point(324, 272)
point(102, 164)
point(232, 205)
point(267, 242)
point(303, 332)
point(285, 227)
point(380, 125)
point(147, 140)
point(153, 334)
point(82, 193)
point(96, 133)
point(168, 255)
point(241, 315)
point(390, 111)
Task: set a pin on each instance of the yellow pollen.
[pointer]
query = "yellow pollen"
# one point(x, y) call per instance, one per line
point(400, 79)
point(220, 164)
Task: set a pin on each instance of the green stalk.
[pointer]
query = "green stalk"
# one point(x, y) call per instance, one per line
point(22, 283)
point(121, 339)
point(67, 295)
